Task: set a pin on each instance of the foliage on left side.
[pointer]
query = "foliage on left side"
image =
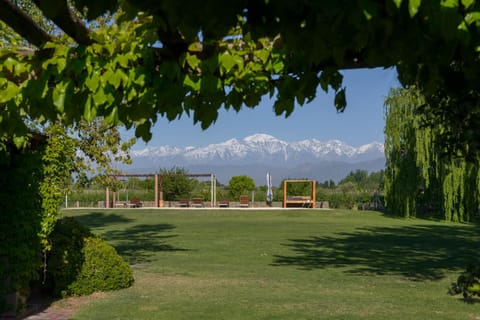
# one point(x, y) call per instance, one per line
point(57, 166)
point(20, 219)
point(34, 179)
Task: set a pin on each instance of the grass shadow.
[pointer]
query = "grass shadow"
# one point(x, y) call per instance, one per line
point(138, 244)
point(101, 219)
point(415, 252)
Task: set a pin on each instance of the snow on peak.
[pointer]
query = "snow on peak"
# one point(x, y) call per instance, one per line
point(157, 151)
point(371, 147)
point(260, 137)
point(228, 142)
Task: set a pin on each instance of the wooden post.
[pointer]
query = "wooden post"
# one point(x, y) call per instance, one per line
point(214, 191)
point(314, 194)
point(284, 193)
point(107, 198)
point(212, 204)
point(161, 191)
point(114, 199)
point(157, 204)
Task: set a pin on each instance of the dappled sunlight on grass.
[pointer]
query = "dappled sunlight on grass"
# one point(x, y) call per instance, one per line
point(139, 243)
point(101, 219)
point(418, 252)
point(136, 243)
point(283, 264)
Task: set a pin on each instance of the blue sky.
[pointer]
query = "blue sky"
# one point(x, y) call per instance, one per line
point(361, 123)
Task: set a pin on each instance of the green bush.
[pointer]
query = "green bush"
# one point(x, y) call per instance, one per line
point(102, 270)
point(81, 263)
point(468, 283)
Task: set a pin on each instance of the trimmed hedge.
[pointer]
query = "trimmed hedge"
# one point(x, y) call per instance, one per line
point(81, 263)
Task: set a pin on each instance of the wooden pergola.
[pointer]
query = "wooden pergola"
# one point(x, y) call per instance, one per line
point(305, 201)
point(159, 182)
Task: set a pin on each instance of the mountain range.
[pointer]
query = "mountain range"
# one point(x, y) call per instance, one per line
point(256, 154)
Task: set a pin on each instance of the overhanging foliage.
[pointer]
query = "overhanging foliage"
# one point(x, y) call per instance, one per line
point(175, 57)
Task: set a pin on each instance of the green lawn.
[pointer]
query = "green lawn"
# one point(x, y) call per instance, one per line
point(293, 264)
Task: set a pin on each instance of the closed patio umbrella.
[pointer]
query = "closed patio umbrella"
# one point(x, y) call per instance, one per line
point(269, 189)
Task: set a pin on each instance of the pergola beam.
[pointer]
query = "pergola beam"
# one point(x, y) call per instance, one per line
point(65, 19)
point(23, 24)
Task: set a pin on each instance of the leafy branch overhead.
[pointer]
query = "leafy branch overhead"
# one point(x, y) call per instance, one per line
point(175, 57)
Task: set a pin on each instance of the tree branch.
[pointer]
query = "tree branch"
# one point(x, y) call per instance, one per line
point(23, 24)
point(348, 64)
point(65, 19)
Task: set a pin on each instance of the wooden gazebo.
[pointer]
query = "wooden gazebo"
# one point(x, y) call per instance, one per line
point(304, 201)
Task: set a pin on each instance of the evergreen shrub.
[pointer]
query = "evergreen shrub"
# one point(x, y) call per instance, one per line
point(81, 263)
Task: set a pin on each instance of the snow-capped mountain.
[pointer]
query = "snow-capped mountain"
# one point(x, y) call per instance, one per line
point(258, 148)
point(260, 153)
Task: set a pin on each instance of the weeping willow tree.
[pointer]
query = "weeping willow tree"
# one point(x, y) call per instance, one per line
point(421, 179)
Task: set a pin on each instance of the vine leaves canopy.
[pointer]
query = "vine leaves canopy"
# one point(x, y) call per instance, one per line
point(174, 57)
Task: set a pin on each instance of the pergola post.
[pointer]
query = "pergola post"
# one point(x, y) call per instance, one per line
point(157, 204)
point(213, 191)
point(161, 191)
point(107, 197)
point(314, 194)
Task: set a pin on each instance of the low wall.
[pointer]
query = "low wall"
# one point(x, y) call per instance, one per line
point(322, 204)
point(206, 204)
